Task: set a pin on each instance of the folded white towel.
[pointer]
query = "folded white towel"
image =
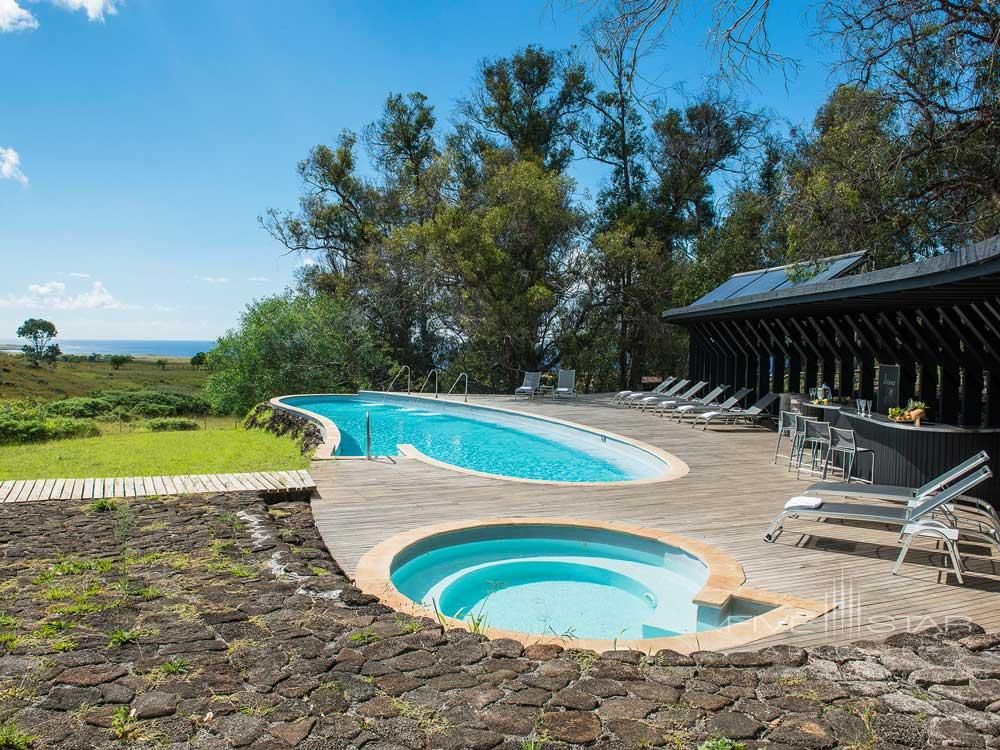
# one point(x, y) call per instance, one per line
point(685, 408)
point(709, 415)
point(804, 502)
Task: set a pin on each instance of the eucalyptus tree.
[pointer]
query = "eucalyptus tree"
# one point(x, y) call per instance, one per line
point(357, 229)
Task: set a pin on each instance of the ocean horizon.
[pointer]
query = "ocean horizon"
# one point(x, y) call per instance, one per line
point(134, 347)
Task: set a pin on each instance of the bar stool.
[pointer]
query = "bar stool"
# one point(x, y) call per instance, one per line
point(845, 444)
point(797, 437)
point(816, 438)
point(786, 428)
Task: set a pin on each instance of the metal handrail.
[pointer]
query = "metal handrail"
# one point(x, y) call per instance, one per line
point(434, 372)
point(463, 375)
point(393, 381)
point(368, 435)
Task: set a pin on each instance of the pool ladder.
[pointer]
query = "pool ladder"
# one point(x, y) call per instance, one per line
point(433, 372)
point(466, 376)
point(396, 377)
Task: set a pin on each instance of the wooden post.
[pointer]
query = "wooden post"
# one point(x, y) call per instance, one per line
point(972, 397)
point(868, 376)
point(794, 373)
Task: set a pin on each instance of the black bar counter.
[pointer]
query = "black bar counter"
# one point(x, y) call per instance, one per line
point(907, 455)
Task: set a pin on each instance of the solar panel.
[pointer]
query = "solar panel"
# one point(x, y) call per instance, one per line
point(730, 287)
point(767, 280)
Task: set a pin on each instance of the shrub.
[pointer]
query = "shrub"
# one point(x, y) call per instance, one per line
point(80, 407)
point(171, 424)
point(22, 422)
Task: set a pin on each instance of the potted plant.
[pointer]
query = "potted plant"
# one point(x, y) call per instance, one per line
point(914, 412)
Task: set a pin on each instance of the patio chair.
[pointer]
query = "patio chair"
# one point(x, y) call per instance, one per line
point(685, 397)
point(660, 388)
point(731, 416)
point(708, 399)
point(530, 386)
point(693, 410)
point(813, 508)
point(895, 494)
point(635, 398)
point(566, 386)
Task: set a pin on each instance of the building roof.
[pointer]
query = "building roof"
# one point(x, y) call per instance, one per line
point(973, 272)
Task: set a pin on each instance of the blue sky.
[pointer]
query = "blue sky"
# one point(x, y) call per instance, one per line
point(140, 139)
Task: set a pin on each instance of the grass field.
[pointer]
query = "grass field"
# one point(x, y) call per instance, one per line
point(18, 379)
point(150, 454)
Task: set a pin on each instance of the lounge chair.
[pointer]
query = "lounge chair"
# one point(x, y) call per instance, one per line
point(813, 508)
point(693, 410)
point(530, 386)
point(671, 405)
point(983, 511)
point(660, 388)
point(892, 493)
point(565, 388)
point(635, 398)
point(685, 397)
point(731, 416)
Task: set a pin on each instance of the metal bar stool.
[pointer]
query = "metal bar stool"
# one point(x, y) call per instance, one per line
point(816, 438)
point(786, 429)
point(798, 436)
point(845, 443)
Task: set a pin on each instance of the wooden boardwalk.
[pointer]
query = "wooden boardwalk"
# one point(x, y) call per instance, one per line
point(266, 482)
point(728, 498)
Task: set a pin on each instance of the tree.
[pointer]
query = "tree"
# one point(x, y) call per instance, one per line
point(199, 360)
point(39, 334)
point(161, 363)
point(52, 354)
point(529, 103)
point(359, 228)
point(117, 361)
point(294, 343)
point(509, 269)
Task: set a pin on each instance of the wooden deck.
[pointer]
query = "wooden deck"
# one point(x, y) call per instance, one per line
point(728, 498)
point(265, 482)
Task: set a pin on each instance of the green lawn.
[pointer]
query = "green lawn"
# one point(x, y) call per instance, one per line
point(146, 454)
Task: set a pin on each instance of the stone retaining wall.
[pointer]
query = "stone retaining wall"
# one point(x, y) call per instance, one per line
point(236, 629)
point(266, 416)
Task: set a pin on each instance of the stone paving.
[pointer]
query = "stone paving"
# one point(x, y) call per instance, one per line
point(230, 626)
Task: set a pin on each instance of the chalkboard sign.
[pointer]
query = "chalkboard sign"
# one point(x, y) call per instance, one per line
point(887, 394)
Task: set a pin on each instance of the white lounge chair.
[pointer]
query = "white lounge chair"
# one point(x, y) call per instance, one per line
point(566, 386)
point(809, 507)
point(671, 405)
point(693, 410)
point(663, 385)
point(750, 415)
point(685, 397)
point(530, 386)
point(634, 398)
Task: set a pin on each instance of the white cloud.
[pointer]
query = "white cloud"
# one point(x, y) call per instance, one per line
point(307, 262)
point(259, 279)
point(78, 275)
point(15, 18)
point(53, 295)
point(213, 279)
point(10, 160)
point(96, 9)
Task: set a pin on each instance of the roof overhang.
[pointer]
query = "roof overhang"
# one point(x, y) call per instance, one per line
point(973, 272)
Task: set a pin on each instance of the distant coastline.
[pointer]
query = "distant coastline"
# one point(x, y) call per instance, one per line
point(134, 347)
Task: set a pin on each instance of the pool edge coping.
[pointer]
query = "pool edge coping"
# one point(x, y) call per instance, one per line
point(726, 579)
point(676, 467)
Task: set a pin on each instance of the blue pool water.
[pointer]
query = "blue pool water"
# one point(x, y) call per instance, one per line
point(486, 440)
point(564, 581)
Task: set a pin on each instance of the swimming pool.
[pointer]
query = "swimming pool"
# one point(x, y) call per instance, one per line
point(482, 439)
point(564, 581)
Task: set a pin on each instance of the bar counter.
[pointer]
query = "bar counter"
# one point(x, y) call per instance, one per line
point(909, 456)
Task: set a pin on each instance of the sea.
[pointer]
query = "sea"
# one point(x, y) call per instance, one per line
point(135, 347)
